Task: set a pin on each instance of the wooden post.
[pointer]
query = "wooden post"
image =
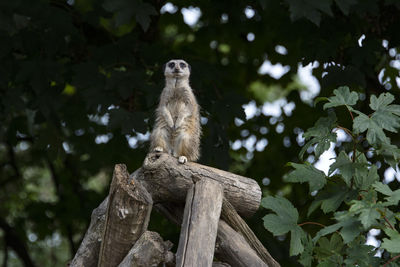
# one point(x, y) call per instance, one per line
point(168, 181)
point(127, 217)
point(230, 215)
point(233, 248)
point(200, 225)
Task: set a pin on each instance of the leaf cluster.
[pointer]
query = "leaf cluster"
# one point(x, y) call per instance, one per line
point(352, 191)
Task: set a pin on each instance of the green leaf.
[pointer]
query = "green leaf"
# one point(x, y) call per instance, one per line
point(306, 257)
point(296, 247)
point(307, 173)
point(393, 196)
point(330, 250)
point(366, 209)
point(310, 9)
point(350, 227)
point(342, 97)
point(286, 215)
point(392, 245)
point(364, 177)
point(369, 217)
point(385, 117)
point(360, 254)
point(125, 10)
point(391, 154)
point(321, 134)
point(345, 5)
point(345, 166)
point(283, 221)
point(383, 188)
point(145, 10)
point(330, 198)
point(375, 133)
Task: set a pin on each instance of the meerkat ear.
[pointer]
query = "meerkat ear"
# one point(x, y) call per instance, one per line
point(190, 67)
point(163, 67)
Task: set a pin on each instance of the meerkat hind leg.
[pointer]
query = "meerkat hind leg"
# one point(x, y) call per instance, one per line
point(159, 140)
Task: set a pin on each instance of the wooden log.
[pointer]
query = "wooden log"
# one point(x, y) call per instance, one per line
point(127, 217)
point(149, 250)
point(233, 248)
point(229, 242)
point(168, 181)
point(88, 252)
point(200, 224)
point(220, 264)
point(230, 215)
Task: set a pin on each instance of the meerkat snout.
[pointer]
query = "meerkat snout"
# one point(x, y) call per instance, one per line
point(177, 68)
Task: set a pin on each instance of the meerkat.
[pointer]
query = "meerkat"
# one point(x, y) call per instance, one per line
point(177, 127)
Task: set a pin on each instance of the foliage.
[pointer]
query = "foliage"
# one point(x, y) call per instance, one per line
point(80, 79)
point(353, 192)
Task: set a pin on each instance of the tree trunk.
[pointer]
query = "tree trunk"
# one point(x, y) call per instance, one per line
point(200, 224)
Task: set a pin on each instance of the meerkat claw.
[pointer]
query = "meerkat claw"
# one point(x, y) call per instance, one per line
point(182, 159)
point(158, 149)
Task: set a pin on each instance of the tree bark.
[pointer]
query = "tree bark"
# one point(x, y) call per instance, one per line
point(200, 224)
point(149, 250)
point(168, 181)
point(127, 217)
point(88, 252)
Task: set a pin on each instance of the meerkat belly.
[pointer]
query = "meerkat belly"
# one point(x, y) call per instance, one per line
point(176, 108)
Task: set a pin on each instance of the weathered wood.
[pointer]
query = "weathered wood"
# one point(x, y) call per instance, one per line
point(229, 242)
point(149, 250)
point(230, 215)
point(220, 264)
point(88, 252)
point(168, 181)
point(233, 248)
point(127, 217)
point(200, 224)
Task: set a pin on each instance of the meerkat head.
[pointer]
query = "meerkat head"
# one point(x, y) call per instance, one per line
point(177, 68)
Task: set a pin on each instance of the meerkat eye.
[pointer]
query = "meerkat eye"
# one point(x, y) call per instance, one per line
point(183, 65)
point(171, 65)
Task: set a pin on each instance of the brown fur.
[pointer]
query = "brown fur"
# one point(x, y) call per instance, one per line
point(177, 128)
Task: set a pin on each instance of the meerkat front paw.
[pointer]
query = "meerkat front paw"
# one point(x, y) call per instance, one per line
point(158, 149)
point(182, 159)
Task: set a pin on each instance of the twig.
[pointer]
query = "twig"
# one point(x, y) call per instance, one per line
point(392, 259)
point(313, 223)
point(351, 114)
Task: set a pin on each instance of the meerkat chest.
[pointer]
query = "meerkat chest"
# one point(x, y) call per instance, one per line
point(177, 99)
